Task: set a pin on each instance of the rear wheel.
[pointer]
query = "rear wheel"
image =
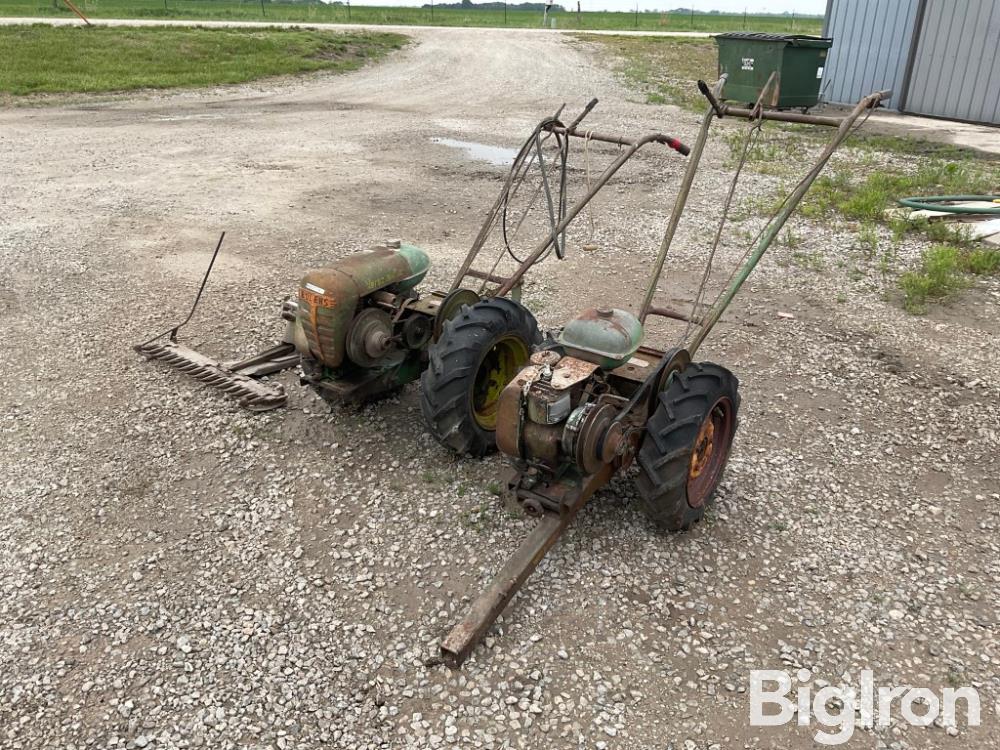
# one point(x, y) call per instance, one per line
point(687, 445)
point(478, 353)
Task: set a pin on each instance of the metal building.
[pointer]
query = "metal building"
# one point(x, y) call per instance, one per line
point(940, 57)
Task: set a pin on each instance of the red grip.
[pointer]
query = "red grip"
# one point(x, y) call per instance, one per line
point(677, 146)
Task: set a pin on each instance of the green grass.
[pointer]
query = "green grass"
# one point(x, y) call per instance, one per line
point(982, 261)
point(315, 12)
point(939, 276)
point(867, 199)
point(45, 59)
point(943, 270)
point(664, 69)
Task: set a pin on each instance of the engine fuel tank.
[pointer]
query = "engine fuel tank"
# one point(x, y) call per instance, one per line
point(605, 337)
point(329, 297)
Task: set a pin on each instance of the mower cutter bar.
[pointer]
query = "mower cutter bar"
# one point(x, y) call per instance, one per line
point(247, 392)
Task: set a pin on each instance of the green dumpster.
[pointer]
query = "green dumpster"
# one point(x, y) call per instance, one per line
point(750, 58)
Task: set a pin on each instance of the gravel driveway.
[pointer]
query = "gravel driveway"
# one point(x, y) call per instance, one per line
point(175, 572)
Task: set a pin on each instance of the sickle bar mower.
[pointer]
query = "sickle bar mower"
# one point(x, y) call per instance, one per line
point(359, 329)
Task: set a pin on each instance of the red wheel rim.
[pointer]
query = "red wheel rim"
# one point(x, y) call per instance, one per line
point(711, 449)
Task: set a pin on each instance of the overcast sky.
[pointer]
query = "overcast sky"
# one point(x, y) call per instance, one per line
point(811, 7)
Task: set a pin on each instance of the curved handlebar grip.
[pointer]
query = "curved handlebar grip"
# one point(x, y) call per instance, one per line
point(677, 146)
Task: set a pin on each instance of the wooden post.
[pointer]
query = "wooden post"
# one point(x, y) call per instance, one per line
point(77, 11)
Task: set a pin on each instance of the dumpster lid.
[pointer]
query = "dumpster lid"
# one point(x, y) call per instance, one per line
point(797, 40)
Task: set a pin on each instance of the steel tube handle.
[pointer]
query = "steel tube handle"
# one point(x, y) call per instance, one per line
point(707, 93)
point(586, 111)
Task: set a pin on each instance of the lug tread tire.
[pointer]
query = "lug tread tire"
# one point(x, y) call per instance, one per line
point(665, 455)
point(446, 384)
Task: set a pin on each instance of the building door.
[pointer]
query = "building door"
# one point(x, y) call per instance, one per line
point(956, 68)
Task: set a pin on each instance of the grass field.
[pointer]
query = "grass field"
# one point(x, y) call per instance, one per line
point(253, 10)
point(665, 69)
point(44, 59)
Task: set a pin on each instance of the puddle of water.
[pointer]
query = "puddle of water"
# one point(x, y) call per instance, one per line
point(501, 157)
point(178, 118)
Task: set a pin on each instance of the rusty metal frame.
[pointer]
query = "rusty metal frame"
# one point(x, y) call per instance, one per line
point(488, 606)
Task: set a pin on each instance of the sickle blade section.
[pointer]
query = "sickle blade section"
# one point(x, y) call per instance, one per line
point(249, 393)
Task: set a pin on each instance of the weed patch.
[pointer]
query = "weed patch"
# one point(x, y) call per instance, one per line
point(944, 269)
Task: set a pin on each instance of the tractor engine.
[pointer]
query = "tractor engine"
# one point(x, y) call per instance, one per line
point(561, 417)
point(359, 326)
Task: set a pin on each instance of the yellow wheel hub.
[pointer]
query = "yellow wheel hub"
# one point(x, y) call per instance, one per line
point(502, 362)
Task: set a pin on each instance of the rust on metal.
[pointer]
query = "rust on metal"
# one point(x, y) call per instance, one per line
point(545, 357)
point(620, 140)
point(778, 116)
point(588, 442)
point(667, 312)
point(248, 393)
point(637, 369)
point(569, 371)
point(711, 450)
point(508, 432)
point(487, 276)
point(483, 612)
point(703, 447)
point(541, 441)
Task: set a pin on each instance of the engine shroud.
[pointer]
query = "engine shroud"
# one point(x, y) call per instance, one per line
point(329, 298)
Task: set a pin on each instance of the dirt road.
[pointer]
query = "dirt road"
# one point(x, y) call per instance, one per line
point(175, 572)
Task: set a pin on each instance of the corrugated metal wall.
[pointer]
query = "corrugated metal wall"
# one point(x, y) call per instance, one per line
point(871, 42)
point(956, 70)
point(955, 62)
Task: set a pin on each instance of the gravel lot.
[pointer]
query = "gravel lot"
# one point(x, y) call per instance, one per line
point(175, 572)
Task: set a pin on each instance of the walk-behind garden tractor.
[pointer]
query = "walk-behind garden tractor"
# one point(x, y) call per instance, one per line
point(597, 399)
point(359, 329)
